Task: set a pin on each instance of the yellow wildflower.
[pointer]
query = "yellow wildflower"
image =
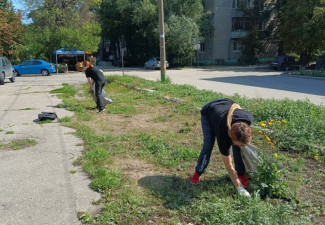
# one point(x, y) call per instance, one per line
point(284, 121)
point(270, 123)
point(275, 155)
point(261, 132)
point(263, 124)
point(268, 139)
point(316, 157)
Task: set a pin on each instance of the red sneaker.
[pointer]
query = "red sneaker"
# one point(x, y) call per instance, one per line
point(244, 180)
point(195, 178)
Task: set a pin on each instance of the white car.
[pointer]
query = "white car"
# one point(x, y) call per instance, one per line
point(154, 63)
point(6, 70)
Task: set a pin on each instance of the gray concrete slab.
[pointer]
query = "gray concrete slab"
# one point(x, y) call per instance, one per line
point(36, 185)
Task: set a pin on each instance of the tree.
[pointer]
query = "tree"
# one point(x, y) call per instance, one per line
point(63, 23)
point(131, 23)
point(301, 27)
point(257, 17)
point(183, 29)
point(10, 30)
point(180, 44)
point(136, 23)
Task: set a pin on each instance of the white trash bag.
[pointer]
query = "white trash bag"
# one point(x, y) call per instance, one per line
point(106, 99)
point(250, 157)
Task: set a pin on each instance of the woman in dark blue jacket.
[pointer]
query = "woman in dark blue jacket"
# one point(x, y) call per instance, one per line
point(237, 133)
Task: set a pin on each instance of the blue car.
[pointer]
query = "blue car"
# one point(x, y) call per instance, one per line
point(35, 66)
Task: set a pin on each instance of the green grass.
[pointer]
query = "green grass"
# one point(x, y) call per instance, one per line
point(27, 109)
point(309, 73)
point(142, 150)
point(64, 119)
point(66, 90)
point(19, 144)
point(44, 122)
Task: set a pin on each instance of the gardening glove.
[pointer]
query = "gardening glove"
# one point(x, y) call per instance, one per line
point(243, 192)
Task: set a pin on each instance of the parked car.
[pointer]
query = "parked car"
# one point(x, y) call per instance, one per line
point(154, 63)
point(6, 70)
point(286, 63)
point(320, 64)
point(118, 62)
point(35, 66)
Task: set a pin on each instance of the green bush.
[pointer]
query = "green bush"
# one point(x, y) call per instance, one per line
point(105, 179)
point(268, 181)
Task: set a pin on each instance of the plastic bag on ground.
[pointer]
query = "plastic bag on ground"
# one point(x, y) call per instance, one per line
point(106, 99)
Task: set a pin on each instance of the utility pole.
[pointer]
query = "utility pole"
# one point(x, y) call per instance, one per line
point(162, 40)
point(122, 47)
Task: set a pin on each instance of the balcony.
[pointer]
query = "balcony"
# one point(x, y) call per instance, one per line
point(237, 34)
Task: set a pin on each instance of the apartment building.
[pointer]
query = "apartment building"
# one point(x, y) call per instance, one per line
point(230, 26)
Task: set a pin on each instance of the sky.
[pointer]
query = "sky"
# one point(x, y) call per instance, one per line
point(18, 4)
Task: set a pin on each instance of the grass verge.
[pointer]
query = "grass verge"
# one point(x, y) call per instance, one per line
point(142, 150)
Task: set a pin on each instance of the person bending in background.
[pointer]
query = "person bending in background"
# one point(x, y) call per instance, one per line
point(93, 73)
point(214, 125)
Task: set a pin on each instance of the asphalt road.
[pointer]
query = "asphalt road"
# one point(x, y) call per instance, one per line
point(252, 82)
point(37, 186)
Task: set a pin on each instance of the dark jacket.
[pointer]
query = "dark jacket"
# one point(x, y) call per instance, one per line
point(95, 74)
point(217, 111)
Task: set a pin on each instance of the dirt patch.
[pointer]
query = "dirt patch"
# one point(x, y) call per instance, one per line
point(135, 168)
point(154, 120)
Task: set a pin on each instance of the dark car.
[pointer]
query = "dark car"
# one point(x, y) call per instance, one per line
point(320, 64)
point(286, 63)
point(6, 70)
point(118, 62)
point(35, 66)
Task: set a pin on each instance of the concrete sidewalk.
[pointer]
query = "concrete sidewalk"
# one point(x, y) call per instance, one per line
point(37, 187)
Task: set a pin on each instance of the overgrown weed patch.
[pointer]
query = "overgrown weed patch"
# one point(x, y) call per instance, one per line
point(149, 128)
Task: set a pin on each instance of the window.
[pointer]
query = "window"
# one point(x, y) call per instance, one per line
point(237, 23)
point(37, 63)
point(236, 46)
point(240, 23)
point(29, 63)
point(237, 4)
point(202, 47)
point(249, 3)
point(234, 4)
point(261, 26)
